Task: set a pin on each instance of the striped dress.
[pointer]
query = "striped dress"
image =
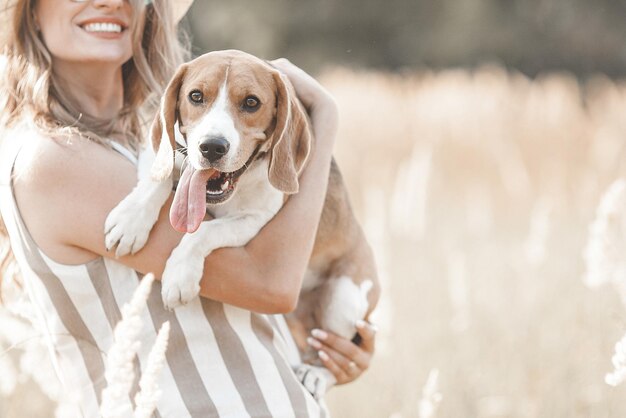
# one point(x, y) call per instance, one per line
point(222, 361)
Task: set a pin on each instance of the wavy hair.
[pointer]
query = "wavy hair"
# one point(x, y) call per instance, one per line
point(32, 95)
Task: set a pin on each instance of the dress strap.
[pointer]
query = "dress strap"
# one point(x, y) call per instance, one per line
point(9, 148)
point(124, 151)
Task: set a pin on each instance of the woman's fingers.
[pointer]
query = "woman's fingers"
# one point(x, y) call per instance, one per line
point(342, 345)
point(342, 357)
point(346, 364)
point(345, 347)
point(329, 362)
point(344, 369)
point(367, 331)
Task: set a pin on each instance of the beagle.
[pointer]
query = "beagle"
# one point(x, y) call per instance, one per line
point(247, 140)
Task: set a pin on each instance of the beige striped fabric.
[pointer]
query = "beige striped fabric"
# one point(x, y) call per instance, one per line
point(222, 361)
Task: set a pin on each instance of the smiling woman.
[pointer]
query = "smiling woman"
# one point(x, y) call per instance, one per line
point(42, 37)
point(83, 79)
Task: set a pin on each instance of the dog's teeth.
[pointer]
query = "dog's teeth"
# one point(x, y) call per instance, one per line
point(225, 185)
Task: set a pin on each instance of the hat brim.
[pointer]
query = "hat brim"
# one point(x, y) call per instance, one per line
point(6, 7)
point(181, 7)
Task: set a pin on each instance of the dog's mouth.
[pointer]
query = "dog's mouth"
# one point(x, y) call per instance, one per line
point(221, 185)
point(196, 189)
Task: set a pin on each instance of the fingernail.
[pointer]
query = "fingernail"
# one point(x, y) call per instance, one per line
point(313, 343)
point(360, 323)
point(323, 355)
point(319, 334)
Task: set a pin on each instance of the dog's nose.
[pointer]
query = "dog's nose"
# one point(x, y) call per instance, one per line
point(214, 148)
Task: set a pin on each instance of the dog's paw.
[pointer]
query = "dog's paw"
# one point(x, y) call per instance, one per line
point(178, 293)
point(314, 379)
point(128, 225)
point(180, 282)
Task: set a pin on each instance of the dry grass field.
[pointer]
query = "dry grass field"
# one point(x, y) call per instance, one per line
point(476, 190)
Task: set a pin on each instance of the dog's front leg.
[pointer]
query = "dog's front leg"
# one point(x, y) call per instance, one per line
point(129, 223)
point(183, 271)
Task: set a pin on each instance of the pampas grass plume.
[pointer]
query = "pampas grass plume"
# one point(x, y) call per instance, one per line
point(119, 371)
point(618, 375)
point(604, 255)
point(150, 393)
point(431, 397)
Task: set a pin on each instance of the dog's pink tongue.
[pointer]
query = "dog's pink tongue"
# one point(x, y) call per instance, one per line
point(189, 205)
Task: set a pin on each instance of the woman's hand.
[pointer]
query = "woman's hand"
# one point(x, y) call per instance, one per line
point(318, 102)
point(345, 359)
point(310, 92)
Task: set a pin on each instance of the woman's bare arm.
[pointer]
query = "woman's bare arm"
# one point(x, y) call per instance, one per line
point(67, 191)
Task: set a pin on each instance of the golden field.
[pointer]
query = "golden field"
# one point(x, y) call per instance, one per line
point(476, 190)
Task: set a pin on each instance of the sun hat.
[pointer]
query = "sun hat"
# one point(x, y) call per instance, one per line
point(180, 8)
point(6, 6)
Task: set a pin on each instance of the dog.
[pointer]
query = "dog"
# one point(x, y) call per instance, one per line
point(247, 141)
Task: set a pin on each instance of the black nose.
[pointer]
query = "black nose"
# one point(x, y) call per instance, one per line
point(214, 148)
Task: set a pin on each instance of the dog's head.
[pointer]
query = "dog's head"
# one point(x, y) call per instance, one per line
point(232, 108)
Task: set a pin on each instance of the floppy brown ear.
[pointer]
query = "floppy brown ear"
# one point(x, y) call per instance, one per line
point(291, 141)
point(163, 139)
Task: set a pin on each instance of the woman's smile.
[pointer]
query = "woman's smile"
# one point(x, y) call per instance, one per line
point(107, 28)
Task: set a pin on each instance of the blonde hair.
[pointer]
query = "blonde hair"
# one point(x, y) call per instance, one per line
point(32, 94)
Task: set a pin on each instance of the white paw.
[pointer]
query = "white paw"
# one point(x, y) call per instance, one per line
point(180, 282)
point(128, 225)
point(314, 379)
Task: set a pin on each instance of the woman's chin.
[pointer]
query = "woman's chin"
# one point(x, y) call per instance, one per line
point(100, 56)
point(93, 50)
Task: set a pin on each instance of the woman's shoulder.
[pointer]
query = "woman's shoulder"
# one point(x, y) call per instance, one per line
point(49, 162)
point(40, 161)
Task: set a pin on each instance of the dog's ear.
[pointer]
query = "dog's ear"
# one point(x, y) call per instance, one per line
point(291, 140)
point(163, 139)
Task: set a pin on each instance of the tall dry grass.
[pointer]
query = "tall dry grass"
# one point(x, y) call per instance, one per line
point(476, 190)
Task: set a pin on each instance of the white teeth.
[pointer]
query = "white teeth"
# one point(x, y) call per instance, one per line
point(214, 192)
point(225, 185)
point(103, 27)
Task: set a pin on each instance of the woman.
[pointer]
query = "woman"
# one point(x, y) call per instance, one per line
point(82, 78)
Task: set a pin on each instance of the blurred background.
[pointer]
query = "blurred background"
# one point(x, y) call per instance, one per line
point(531, 36)
point(478, 139)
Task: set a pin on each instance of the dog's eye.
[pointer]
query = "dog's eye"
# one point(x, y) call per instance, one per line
point(196, 96)
point(251, 103)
